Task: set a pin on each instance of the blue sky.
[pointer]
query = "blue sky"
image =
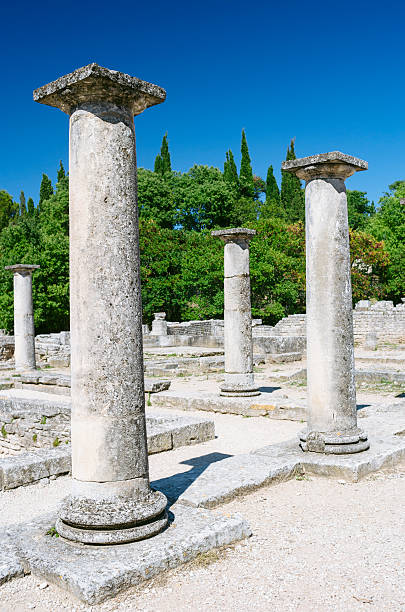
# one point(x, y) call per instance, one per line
point(330, 74)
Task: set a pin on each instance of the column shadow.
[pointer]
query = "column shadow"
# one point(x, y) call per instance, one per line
point(175, 485)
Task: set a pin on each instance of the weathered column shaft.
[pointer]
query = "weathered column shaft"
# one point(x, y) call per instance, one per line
point(24, 332)
point(105, 306)
point(239, 377)
point(330, 354)
point(331, 390)
point(111, 500)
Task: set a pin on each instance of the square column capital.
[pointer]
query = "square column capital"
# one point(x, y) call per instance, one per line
point(95, 84)
point(234, 234)
point(325, 165)
point(18, 268)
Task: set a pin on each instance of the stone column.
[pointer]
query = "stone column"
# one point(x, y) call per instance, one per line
point(239, 377)
point(24, 332)
point(332, 418)
point(111, 500)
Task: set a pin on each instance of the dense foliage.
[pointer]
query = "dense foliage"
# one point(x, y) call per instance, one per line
point(181, 264)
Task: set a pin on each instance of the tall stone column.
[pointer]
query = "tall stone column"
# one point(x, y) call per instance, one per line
point(332, 418)
point(239, 377)
point(111, 500)
point(24, 332)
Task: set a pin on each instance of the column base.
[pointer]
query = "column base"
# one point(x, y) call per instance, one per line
point(112, 521)
point(233, 391)
point(334, 443)
point(239, 385)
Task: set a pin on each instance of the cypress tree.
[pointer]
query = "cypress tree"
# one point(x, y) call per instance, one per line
point(45, 190)
point(165, 154)
point(30, 206)
point(23, 206)
point(61, 172)
point(292, 194)
point(158, 165)
point(230, 169)
point(162, 162)
point(246, 184)
point(272, 206)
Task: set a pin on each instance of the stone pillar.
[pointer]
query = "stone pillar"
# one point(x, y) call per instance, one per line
point(24, 332)
point(239, 377)
point(159, 325)
point(111, 500)
point(332, 418)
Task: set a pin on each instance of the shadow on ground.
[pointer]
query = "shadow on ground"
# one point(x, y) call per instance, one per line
point(175, 485)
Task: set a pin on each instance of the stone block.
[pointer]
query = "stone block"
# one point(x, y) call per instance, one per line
point(96, 573)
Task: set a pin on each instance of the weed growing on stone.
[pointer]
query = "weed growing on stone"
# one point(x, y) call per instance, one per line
point(56, 442)
point(3, 431)
point(52, 532)
point(43, 420)
point(149, 403)
point(35, 437)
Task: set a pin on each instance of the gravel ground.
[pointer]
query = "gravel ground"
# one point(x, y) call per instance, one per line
point(317, 545)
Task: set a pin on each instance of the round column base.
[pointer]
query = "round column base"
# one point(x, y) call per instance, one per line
point(112, 536)
point(334, 443)
point(239, 392)
point(113, 520)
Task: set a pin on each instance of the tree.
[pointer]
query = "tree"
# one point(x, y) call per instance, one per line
point(45, 190)
point(23, 205)
point(272, 206)
point(359, 209)
point(230, 170)
point(8, 208)
point(163, 163)
point(30, 206)
point(61, 171)
point(246, 184)
point(203, 199)
point(155, 198)
point(292, 195)
point(388, 225)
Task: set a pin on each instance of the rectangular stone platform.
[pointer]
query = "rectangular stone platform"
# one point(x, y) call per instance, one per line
point(222, 480)
point(96, 573)
point(260, 405)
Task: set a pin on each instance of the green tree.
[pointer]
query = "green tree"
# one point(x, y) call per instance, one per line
point(61, 171)
point(8, 208)
point(359, 209)
point(292, 194)
point(202, 198)
point(272, 205)
point(388, 225)
point(246, 184)
point(155, 198)
point(163, 163)
point(23, 204)
point(45, 190)
point(230, 170)
point(30, 206)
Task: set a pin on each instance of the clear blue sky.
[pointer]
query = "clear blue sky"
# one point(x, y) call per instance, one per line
point(330, 74)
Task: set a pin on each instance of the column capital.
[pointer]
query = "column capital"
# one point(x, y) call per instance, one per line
point(325, 165)
point(234, 234)
point(95, 84)
point(22, 268)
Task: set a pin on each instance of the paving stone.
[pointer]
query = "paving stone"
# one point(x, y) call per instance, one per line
point(262, 405)
point(96, 573)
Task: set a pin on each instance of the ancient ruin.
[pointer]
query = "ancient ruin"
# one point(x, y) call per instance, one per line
point(239, 377)
point(24, 333)
point(332, 415)
point(111, 500)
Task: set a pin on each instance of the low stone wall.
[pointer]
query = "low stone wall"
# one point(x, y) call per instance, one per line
point(211, 327)
point(382, 318)
point(33, 424)
point(53, 349)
